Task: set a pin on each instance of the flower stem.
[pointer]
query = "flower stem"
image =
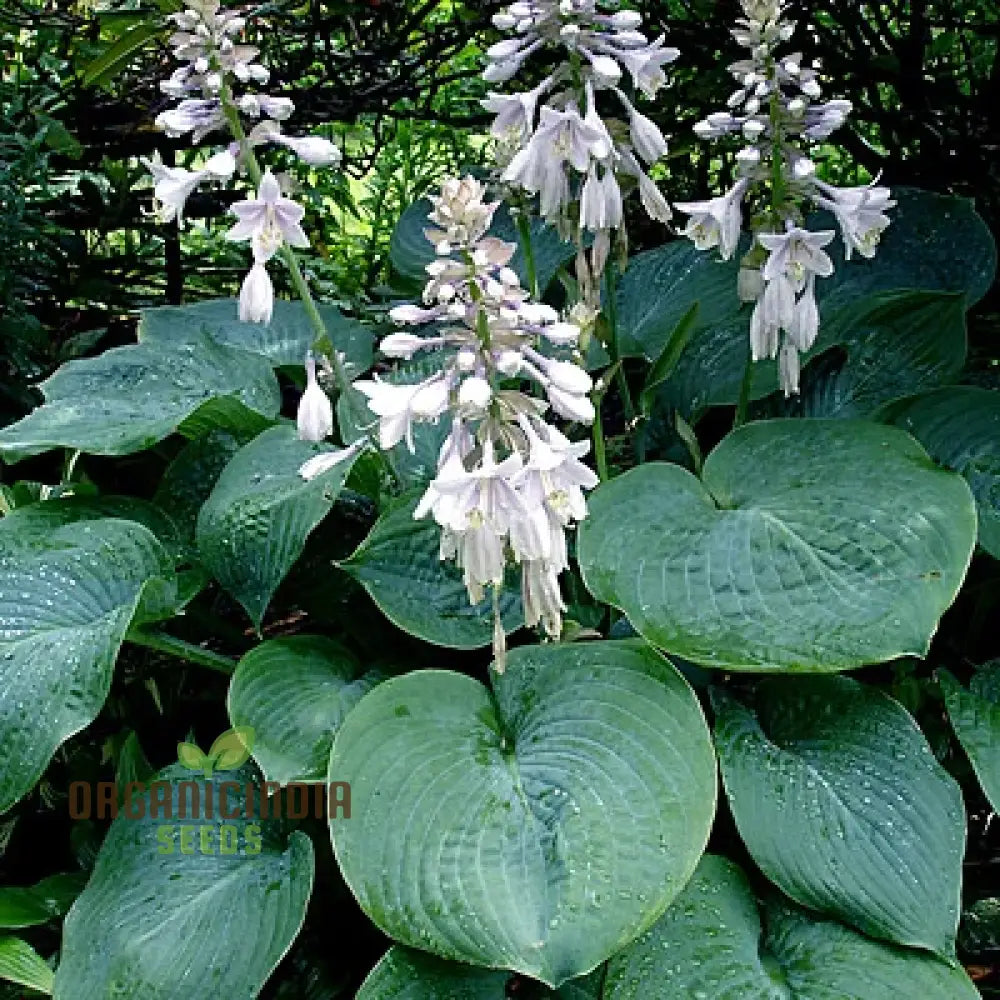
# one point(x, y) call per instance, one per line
point(164, 643)
point(323, 342)
point(777, 155)
point(611, 315)
point(744, 401)
point(600, 450)
point(524, 234)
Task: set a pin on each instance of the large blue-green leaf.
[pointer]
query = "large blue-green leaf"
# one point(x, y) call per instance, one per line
point(712, 945)
point(180, 908)
point(294, 692)
point(131, 397)
point(410, 975)
point(975, 717)
point(400, 566)
point(960, 428)
point(895, 345)
point(810, 545)
point(189, 479)
point(284, 341)
point(66, 603)
point(36, 521)
point(539, 827)
point(255, 523)
point(839, 799)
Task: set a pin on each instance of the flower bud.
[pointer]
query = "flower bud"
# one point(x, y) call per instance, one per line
point(509, 363)
point(562, 333)
point(804, 167)
point(646, 137)
point(312, 149)
point(537, 312)
point(409, 313)
point(569, 377)
point(606, 68)
point(506, 49)
point(570, 406)
point(401, 345)
point(475, 393)
point(315, 415)
point(626, 20)
point(465, 360)
point(256, 296)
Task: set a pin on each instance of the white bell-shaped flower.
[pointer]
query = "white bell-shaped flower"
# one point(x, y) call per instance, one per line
point(315, 414)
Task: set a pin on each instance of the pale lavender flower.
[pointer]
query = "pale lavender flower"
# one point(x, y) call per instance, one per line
point(716, 222)
point(269, 216)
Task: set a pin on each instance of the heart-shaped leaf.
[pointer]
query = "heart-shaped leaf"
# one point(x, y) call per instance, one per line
point(710, 945)
point(896, 345)
point(38, 520)
point(181, 908)
point(131, 397)
point(814, 545)
point(399, 565)
point(285, 340)
point(190, 478)
point(841, 802)
point(255, 523)
point(66, 603)
point(975, 717)
point(537, 828)
point(404, 974)
point(295, 693)
point(960, 428)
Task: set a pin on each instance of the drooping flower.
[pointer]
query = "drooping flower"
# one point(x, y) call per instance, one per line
point(716, 222)
point(315, 414)
point(257, 297)
point(555, 141)
point(208, 90)
point(860, 213)
point(776, 109)
point(398, 406)
point(172, 186)
point(508, 484)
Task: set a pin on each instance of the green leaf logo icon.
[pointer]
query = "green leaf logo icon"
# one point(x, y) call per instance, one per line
point(191, 756)
point(228, 752)
point(232, 748)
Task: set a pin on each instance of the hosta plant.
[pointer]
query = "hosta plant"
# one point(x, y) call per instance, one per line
point(696, 721)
